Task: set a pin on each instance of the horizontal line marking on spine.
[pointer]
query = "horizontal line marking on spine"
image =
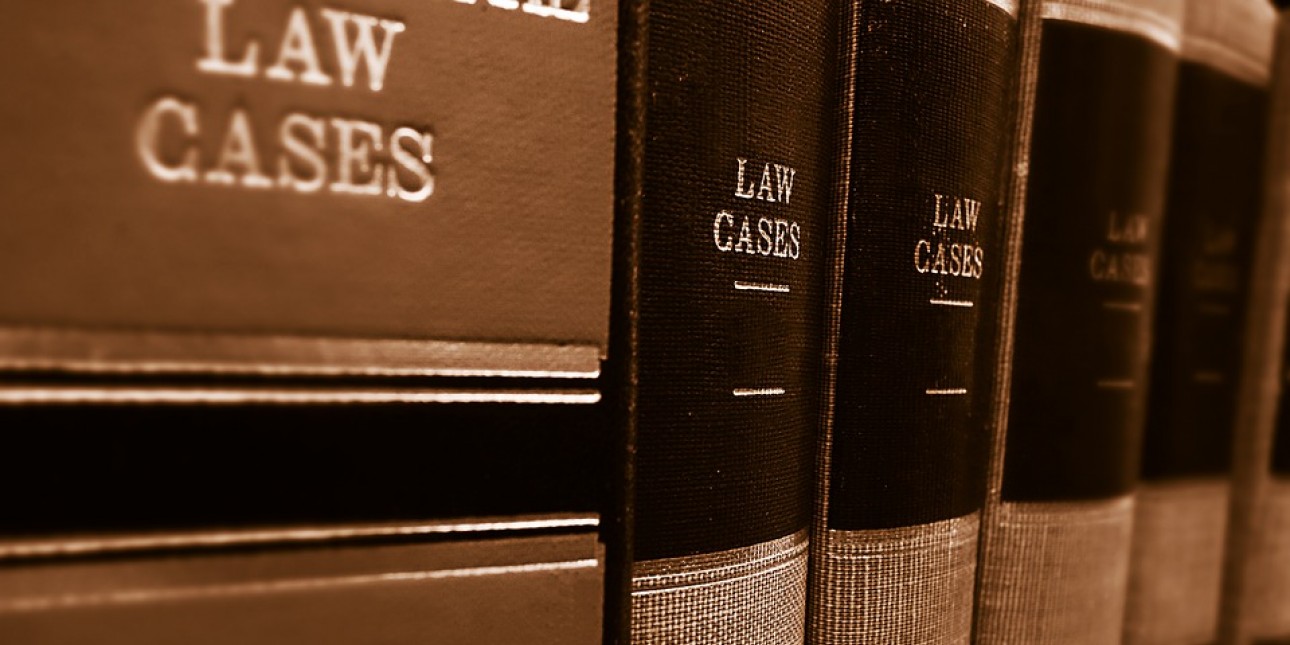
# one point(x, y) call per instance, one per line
point(109, 352)
point(23, 395)
point(81, 546)
point(952, 303)
point(741, 285)
point(39, 603)
point(947, 391)
point(555, 12)
point(757, 391)
point(1119, 305)
point(1116, 384)
point(1208, 377)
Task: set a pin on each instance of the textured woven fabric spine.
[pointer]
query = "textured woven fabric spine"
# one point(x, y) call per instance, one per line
point(915, 582)
point(1268, 596)
point(1016, 186)
point(1180, 533)
point(1058, 519)
point(1250, 584)
point(751, 595)
point(735, 235)
point(1177, 557)
point(902, 454)
point(1084, 545)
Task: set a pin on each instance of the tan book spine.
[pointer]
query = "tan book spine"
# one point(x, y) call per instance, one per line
point(1256, 595)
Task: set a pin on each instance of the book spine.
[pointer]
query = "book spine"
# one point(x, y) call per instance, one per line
point(487, 582)
point(1255, 595)
point(621, 367)
point(735, 233)
point(1056, 547)
point(1212, 213)
point(902, 459)
point(278, 188)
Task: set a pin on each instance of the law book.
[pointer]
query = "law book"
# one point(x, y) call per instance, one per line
point(726, 184)
point(330, 584)
point(1058, 518)
point(1256, 600)
point(925, 120)
point(266, 521)
point(394, 188)
point(295, 280)
point(1203, 285)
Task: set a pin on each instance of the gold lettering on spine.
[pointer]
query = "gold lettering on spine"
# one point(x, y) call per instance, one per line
point(762, 236)
point(416, 164)
point(745, 239)
point(356, 140)
point(215, 62)
point(238, 153)
point(784, 183)
point(571, 10)
point(742, 191)
point(960, 259)
point(765, 190)
point(147, 139)
point(1115, 263)
point(306, 153)
point(364, 46)
point(298, 47)
point(366, 162)
point(723, 240)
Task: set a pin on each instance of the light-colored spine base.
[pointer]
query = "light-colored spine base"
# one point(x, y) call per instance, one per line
point(908, 585)
point(1177, 563)
point(1268, 595)
point(752, 595)
point(1056, 573)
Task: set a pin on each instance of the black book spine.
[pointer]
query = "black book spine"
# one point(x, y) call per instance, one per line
point(1055, 562)
point(1212, 216)
point(624, 319)
point(903, 458)
point(735, 232)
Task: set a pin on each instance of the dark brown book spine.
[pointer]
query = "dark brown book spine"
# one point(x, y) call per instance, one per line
point(902, 459)
point(1055, 558)
point(735, 232)
point(1211, 224)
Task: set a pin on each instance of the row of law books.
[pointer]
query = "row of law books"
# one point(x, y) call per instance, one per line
point(645, 321)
